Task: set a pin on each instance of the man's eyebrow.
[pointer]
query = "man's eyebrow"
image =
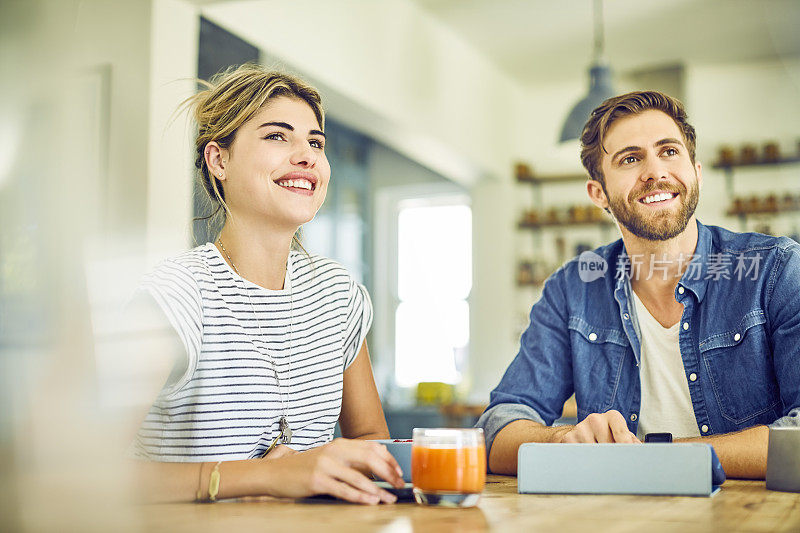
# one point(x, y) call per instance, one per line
point(287, 126)
point(662, 142)
point(626, 149)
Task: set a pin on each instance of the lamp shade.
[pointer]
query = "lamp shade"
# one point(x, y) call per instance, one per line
point(599, 91)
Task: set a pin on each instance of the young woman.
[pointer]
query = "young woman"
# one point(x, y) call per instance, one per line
point(272, 340)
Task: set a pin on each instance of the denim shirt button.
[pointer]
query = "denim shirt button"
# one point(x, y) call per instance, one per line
point(592, 336)
point(681, 290)
point(692, 377)
point(626, 316)
point(685, 326)
point(737, 337)
point(633, 417)
point(704, 428)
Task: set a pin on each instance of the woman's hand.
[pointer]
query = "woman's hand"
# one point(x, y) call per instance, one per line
point(334, 469)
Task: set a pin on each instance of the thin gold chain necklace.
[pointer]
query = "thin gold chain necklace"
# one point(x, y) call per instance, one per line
point(285, 431)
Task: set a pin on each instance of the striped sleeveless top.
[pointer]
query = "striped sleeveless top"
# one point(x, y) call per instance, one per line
point(227, 404)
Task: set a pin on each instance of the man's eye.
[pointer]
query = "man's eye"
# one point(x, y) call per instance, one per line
point(628, 160)
point(671, 151)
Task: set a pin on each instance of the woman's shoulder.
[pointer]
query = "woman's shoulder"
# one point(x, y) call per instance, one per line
point(303, 262)
point(187, 264)
point(318, 270)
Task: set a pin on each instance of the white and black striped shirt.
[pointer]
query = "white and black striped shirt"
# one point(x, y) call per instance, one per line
point(227, 404)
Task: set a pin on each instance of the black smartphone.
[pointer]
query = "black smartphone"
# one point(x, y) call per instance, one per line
point(658, 437)
point(404, 494)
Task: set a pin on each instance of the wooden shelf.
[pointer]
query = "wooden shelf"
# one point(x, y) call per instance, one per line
point(782, 161)
point(731, 213)
point(558, 178)
point(531, 283)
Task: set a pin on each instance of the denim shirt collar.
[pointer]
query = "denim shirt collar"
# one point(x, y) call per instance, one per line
point(694, 278)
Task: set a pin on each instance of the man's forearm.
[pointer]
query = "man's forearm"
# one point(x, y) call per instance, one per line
point(743, 454)
point(503, 454)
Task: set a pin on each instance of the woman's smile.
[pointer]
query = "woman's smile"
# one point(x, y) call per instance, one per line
point(303, 183)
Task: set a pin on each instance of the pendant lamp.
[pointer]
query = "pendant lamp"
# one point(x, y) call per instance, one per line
point(600, 88)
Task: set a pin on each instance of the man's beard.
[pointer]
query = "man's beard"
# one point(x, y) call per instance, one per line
point(661, 225)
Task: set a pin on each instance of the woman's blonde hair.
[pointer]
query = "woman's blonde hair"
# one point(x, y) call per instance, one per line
point(231, 98)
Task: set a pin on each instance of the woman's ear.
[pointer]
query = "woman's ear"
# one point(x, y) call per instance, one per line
point(596, 194)
point(216, 157)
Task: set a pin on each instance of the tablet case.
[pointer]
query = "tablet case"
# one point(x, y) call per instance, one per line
point(678, 469)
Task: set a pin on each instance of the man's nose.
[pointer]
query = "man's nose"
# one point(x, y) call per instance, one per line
point(653, 168)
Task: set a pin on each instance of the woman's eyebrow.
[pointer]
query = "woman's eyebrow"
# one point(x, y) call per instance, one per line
point(284, 125)
point(287, 126)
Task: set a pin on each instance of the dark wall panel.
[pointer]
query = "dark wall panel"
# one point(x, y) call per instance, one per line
point(218, 49)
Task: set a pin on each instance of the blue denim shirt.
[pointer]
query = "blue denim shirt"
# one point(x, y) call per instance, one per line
point(739, 335)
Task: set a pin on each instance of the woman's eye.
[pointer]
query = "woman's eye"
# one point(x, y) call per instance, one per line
point(316, 144)
point(277, 136)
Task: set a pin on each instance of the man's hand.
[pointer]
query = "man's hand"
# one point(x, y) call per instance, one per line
point(598, 427)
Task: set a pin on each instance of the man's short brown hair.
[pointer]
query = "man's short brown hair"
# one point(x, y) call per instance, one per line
point(624, 105)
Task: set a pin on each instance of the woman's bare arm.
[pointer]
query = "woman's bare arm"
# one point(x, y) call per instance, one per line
point(334, 468)
point(362, 415)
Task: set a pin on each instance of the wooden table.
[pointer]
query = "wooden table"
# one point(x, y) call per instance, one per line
point(740, 506)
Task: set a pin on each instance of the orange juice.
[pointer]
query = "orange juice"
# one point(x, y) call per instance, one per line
point(449, 469)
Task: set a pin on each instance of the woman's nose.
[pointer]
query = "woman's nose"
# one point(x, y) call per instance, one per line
point(303, 155)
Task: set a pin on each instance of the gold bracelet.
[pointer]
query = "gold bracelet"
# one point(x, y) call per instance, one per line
point(213, 483)
point(199, 496)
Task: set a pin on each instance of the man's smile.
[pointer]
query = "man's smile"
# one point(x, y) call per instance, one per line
point(658, 198)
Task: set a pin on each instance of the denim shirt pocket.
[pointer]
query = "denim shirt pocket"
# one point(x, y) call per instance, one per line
point(740, 368)
point(597, 357)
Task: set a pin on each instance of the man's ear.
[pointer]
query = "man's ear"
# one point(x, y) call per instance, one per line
point(699, 170)
point(596, 194)
point(216, 157)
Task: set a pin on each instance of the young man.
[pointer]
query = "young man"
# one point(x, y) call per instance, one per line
point(677, 327)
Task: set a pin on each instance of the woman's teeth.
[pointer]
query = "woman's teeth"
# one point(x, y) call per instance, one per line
point(657, 197)
point(299, 184)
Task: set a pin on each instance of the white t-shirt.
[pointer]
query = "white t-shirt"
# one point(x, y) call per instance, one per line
point(666, 404)
point(227, 403)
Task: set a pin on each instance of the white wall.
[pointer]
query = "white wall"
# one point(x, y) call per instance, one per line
point(390, 70)
point(117, 35)
point(173, 68)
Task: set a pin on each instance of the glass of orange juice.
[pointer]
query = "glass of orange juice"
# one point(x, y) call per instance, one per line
point(448, 466)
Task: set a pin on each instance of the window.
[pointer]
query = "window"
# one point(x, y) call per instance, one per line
point(434, 279)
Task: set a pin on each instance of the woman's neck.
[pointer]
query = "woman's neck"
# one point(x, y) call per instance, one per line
point(259, 255)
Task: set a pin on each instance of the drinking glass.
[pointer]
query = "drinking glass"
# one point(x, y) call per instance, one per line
point(448, 466)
